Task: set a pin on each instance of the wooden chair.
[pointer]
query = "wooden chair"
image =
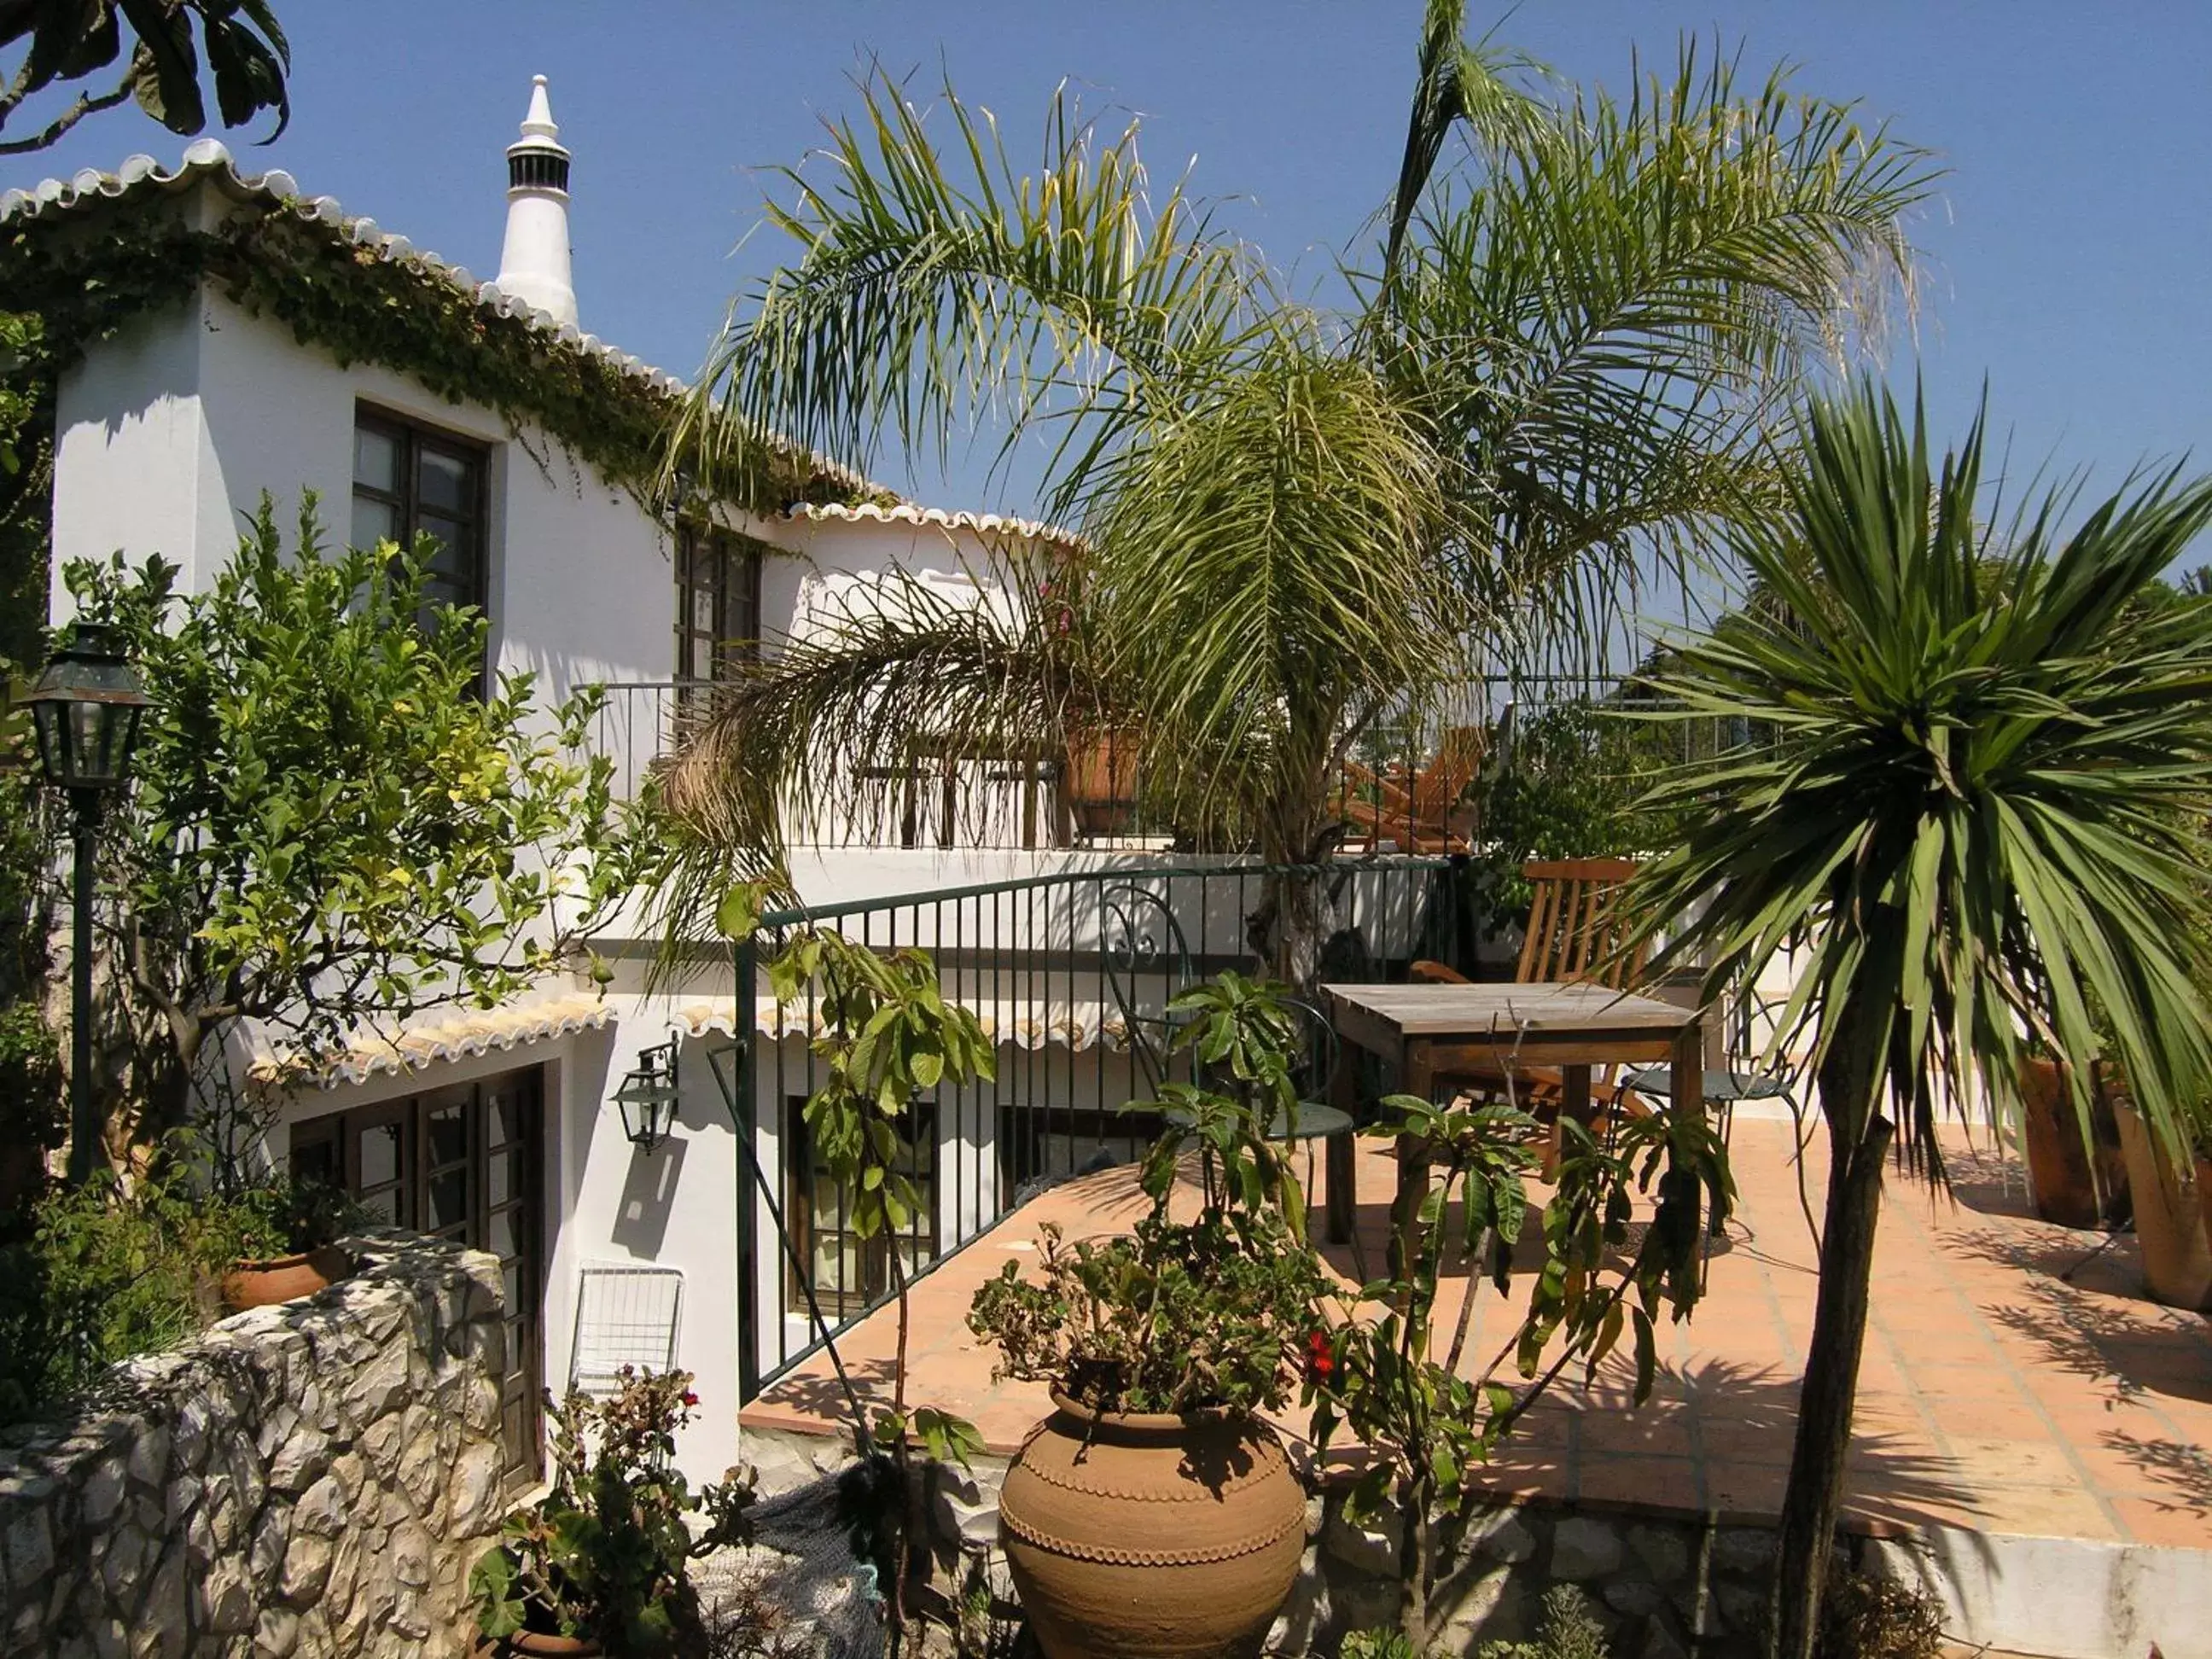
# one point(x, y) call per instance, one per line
point(1577, 932)
point(1412, 811)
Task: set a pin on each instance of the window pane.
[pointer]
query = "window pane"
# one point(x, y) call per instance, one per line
point(504, 1174)
point(379, 1155)
point(449, 1200)
point(703, 610)
point(449, 1133)
point(503, 1118)
point(446, 484)
point(315, 1161)
point(373, 522)
point(503, 1234)
point(376, 459)
point(383, 1208)
point(455, 554)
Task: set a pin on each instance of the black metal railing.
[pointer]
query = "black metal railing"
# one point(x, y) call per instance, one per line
point(1071, 975)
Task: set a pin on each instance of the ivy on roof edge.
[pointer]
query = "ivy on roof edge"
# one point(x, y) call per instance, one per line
point(360, 306)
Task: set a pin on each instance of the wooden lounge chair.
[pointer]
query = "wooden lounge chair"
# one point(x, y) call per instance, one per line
point(1412, 811)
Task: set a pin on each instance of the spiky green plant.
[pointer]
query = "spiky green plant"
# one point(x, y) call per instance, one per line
point(1976, 824)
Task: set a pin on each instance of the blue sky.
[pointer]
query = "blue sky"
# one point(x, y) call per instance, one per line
point(2067, 258)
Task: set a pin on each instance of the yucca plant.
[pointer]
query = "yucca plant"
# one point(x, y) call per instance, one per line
point(1972, 814)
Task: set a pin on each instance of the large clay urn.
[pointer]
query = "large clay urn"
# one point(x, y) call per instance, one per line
point(1151, 1537)
point(2073, 1185)
point(2170, 1219)
point(1101, 782)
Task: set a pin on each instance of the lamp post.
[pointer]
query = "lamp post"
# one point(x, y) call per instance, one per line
point(87, 707)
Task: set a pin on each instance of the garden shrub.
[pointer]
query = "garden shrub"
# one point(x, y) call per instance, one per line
point(122, 1265)
point(1569, 1630)
point(1863, 1617)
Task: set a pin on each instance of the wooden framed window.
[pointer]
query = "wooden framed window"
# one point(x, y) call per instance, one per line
point(458, 1163)
point(410, 479)
point(717, 577)
point(849, 1272)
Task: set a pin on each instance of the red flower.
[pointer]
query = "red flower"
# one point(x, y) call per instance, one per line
point(1321, 1357)
point(689, 1398)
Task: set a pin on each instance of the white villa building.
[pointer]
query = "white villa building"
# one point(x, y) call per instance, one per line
point(501, 1129)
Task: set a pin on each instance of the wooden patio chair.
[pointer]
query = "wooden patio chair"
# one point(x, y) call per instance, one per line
point(1577, 932)
point(1412, 811)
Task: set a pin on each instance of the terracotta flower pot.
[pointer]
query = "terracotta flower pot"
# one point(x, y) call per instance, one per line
point(535, 1646)
point(1151, 1537)
point(2072, 1185)
point(2170, 1222)
point(1101, 781)
point(256, 1284)
point(552, 1647)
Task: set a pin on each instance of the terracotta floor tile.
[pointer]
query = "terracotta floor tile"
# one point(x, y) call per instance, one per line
point(1661, 1482)
point(2164, 1521)
point(1745, 1488)
point(1981, 1368)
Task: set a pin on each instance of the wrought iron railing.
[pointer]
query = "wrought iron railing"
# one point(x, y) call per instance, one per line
point(1071, 975)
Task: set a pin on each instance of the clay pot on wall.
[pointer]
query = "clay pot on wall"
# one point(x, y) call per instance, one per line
point(2169, 1218)
point(1101, 782)
point(256, 1284)
point(2065, 1177)
point(1151, 1537)
point(528, 1644)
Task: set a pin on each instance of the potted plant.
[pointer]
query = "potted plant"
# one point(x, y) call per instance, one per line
point(2166, 1188)
point(290, 1248)
point(1102, 781)
point(2075, 1181)
point(1153, 1513)
point(598, 1564)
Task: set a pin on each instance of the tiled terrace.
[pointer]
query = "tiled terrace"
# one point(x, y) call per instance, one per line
point(1995, 1397)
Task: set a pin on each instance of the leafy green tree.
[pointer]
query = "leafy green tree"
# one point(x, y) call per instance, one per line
point(333, 823)
point(1299, 520)
point(1976, 821)
point(64, 42)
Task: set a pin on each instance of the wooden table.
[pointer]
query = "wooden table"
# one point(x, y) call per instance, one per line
point(1422, 1032)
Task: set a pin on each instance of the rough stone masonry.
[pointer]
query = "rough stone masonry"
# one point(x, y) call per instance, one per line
point(312, 1479)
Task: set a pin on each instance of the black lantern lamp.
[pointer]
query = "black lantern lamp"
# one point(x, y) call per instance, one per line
point(87, 707)
point(647, 1097)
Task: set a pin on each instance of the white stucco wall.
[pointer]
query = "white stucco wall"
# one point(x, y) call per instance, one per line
point(171, 431)
point(168, 434)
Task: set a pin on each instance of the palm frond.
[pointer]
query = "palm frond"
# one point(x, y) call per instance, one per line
point(938, 283)
point(1604, 326)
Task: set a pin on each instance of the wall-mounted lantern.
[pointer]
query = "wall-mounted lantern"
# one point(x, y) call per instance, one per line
point(647, 1097)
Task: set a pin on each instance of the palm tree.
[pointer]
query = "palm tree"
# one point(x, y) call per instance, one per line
point(1296, 519)
point(1977, 819)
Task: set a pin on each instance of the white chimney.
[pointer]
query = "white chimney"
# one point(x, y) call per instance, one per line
point(533, 263)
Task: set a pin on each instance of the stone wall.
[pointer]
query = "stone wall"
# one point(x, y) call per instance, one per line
point(313, 1478)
